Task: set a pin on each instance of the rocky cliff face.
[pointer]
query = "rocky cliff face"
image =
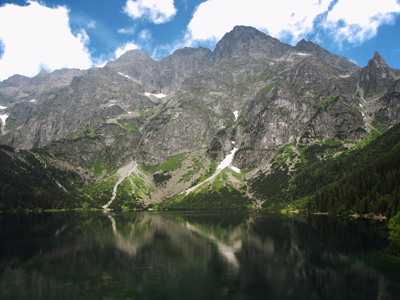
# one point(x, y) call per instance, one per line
point(163, 76)
point(379, 87)
point(44, 86)
point(136, 108)
point(282, 93)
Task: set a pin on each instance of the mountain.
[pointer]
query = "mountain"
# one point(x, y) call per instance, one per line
point(142, 132)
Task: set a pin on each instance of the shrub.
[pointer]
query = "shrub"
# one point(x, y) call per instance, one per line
point(394, 227)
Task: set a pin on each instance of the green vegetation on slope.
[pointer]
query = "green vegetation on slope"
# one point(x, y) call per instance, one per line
point(28, 183)
point(100, 191)
point(394, 227)
point(172, 164)
point(128, 124)
point(125, 198)
point(363, 180)
point(210, 172)
point(225, 197)
point(220, 193)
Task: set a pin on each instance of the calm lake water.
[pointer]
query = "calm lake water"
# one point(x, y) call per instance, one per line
point(193, 255)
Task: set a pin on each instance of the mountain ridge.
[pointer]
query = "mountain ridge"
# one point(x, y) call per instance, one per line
point(271, 101)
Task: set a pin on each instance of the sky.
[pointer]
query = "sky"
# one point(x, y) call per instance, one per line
point(47, 35)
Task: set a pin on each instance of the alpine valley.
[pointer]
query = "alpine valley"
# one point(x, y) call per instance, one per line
point(254, 123)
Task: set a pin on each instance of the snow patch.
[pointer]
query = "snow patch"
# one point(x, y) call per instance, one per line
point(237, 170)
point(233, 142)
point(302, 54)
point(344, 76)
point(3, 107)
point(133, 79)
point(32, 100)
point(129, 112)
point(125, 75)
point(4, 118)
point(159, 96)
point(227, 160)
point(236, 113)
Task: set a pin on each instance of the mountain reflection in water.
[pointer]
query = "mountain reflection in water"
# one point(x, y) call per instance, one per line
point(193, 255)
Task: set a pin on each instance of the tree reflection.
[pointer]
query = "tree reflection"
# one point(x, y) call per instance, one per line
point(206, 255)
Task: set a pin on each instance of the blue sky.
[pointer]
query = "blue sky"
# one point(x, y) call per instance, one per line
point(52, 34)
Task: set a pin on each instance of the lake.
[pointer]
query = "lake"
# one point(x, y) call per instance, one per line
point(194, 255)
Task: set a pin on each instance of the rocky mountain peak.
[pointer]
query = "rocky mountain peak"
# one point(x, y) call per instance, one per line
point(376, 78)
point(15, 81)
point(378, 61)
point(311, 48)
point(306, 46)
point(245, 32)
point(42, 73)
point(188, 51)
point(245, 41)
point(129, 56)
point(340, 64)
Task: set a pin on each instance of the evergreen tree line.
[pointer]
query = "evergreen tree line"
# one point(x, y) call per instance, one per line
point(26, 184)
point(373, 188)
point(364, 181)
point(316, 174)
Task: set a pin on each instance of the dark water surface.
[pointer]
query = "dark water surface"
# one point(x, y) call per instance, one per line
point(193, 255)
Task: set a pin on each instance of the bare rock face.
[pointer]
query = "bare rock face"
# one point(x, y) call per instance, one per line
point(111, 143)
point(186, 101)
point(163, 76)
point(19, 88)
point(379, 87)
point(389, 113)
point(377, 78)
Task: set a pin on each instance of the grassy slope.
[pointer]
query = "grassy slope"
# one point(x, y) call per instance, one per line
point(227, 190)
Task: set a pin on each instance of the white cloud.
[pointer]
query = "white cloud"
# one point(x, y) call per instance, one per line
point(92, 24)
point(145, 35)
point(145, 40)
point(214, 18)
point(358, 20)
point(127, 30)
point(36, 37)
point(351, 20)
point(157, 11)
point(121, 50)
